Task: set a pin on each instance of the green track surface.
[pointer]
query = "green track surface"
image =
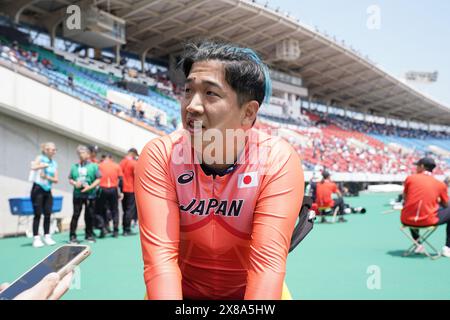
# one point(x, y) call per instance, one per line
point(331, 263)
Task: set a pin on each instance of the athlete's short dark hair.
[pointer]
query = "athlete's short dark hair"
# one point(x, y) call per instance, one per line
point(246, 74)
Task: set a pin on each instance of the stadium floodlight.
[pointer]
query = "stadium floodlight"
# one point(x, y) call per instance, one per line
point(421, 77)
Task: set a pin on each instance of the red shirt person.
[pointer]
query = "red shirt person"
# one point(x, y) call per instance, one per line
point(324, 192)
point(425, 201)
point(128, 165)
point(110, 183)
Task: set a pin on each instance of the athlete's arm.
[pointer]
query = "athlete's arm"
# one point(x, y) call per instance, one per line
point(159, 222)
point(276, 211)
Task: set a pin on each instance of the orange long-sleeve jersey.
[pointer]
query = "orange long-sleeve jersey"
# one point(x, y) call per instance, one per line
point(211, 236)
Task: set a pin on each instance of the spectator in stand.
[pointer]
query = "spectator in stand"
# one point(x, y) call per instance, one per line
point(174, 123)
point(140, 110)
point(158, 120)
point(70, 80)
point(133, 110)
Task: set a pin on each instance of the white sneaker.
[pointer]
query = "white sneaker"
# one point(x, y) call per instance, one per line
point(419, 249)
point(48, 240)
point(37, 242)
point(446, 252)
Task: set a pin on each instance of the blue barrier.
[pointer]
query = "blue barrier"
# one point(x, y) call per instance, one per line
point(22, 206)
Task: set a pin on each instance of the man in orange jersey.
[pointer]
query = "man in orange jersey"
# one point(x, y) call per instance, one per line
point(216, 222)
point(426, 202)
point(110, 185)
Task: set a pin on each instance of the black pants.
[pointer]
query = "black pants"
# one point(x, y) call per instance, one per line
point(339, 202)
point(444, 218)
point(129, 210)
point(108, 200)
point(42, 204)
point(89, 211)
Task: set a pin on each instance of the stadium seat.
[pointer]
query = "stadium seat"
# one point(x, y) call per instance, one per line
point(423, 239)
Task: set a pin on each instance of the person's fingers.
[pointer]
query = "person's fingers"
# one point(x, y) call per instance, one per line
point(62, 287)
point(42, 290)
point(3, 286)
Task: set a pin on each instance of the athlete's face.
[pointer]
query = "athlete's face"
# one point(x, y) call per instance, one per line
point(210, 103)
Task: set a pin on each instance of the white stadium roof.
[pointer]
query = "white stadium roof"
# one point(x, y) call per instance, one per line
point(334, 74)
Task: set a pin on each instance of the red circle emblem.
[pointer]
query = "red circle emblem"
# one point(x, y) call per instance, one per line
point(247, 180)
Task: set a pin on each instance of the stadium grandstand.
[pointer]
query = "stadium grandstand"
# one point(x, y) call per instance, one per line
point(116, 85)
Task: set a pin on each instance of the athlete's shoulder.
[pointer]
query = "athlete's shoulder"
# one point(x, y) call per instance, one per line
point(273, 142)
point(277, 148)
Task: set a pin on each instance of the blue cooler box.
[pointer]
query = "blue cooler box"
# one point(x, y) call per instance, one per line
point(23, 206)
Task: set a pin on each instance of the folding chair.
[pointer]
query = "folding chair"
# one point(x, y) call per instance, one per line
point(423, 239)
point(328, 211)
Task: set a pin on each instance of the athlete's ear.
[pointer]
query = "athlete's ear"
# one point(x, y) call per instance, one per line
point(250, 109)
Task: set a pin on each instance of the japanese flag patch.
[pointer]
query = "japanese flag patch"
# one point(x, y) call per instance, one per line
point(248, 180)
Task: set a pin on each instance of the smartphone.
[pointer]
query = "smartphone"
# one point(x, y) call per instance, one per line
point(62, 261)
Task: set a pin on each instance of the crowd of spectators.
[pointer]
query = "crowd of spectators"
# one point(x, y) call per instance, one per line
point(377, 128)
point(18, 54)
point(340, 150)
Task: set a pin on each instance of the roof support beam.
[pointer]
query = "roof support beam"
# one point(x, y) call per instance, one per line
point(367, 92)
point(321, 60)
point(138, 7)
point(356, 76)
point(329, 71)
point(169, 15)
point(15, 9)
point(215, 32)
point(277, 38)
point(389, 98)
point(153, 42)
point(402, 106)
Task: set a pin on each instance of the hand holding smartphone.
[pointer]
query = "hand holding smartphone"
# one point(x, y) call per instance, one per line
point(62, 261)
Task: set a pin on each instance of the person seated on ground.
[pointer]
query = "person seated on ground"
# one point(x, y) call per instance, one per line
point(425, 202)
point(324, 192)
